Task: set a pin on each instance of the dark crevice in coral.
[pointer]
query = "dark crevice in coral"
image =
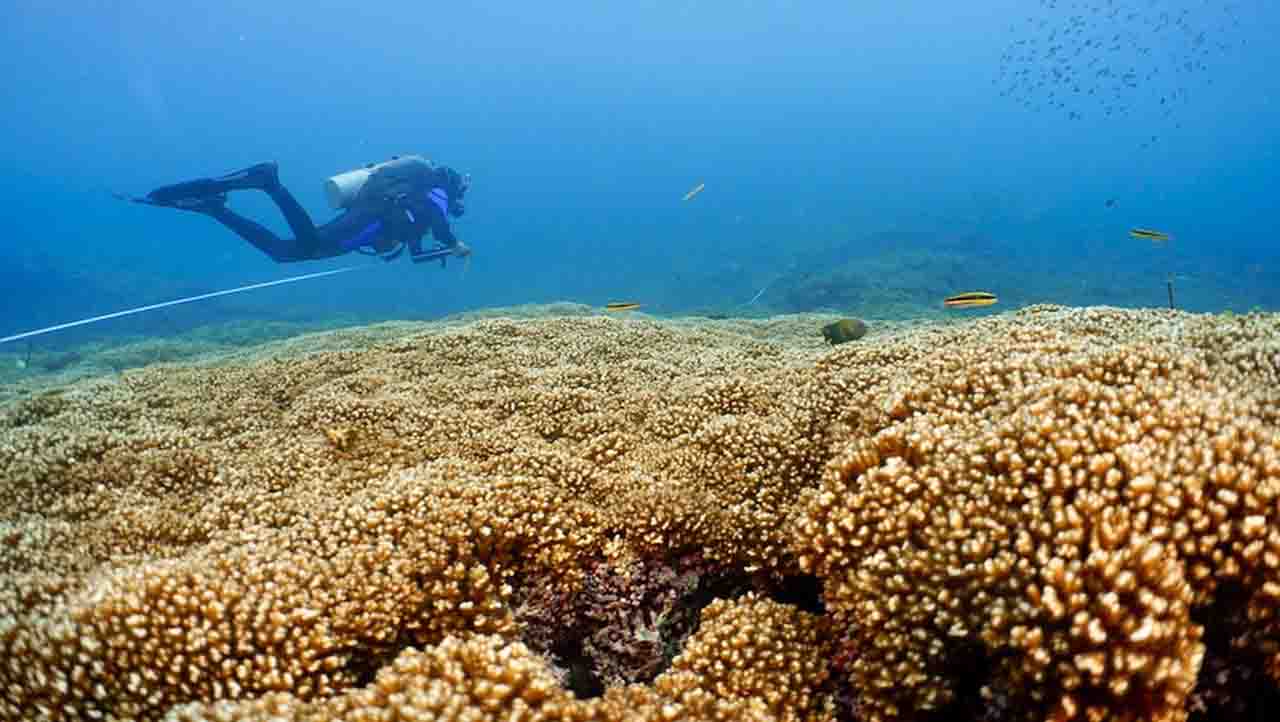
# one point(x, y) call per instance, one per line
point(364, 667)
point(1233, 683)
point(625, 625)
point(725, 584)
point(363, 663)
point(973, 669)
point(578, 676)
point(803, 591)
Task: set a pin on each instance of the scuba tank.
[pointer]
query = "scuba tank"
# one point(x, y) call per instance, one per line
point(343, 189)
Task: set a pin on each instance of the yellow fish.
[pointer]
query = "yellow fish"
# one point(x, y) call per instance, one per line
point(696, 190)
point(1157, 236)
point(970, 299)
point(621, 306)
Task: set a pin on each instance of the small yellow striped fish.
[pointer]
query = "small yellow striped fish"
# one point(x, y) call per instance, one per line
point(1149, 234)
point(970, 299)
point(621, 306)
point(696, 190)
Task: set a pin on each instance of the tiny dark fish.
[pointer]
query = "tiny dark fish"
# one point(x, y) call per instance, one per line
point(621, 306)
point(1147, 233)
point(846, 329)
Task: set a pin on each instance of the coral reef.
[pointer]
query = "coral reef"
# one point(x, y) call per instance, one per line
point(724, 675)
point(1051, 514)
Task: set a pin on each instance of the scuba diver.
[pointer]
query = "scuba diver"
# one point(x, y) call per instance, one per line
point(386, 207)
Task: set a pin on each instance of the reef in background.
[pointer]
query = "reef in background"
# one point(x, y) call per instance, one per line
point(1051, 514)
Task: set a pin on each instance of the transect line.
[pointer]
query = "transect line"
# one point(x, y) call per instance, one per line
point(189, 299)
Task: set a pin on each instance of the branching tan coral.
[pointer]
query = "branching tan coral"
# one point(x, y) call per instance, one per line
point(1066, 508)
point(345, 525)
point(756, 649)
point(307, 609)
point(753, 660)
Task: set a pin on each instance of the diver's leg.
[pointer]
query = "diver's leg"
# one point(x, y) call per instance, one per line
point(281, 250)
point(266, 177)
point(294, 214)
point(335, 238)
point(208, 196)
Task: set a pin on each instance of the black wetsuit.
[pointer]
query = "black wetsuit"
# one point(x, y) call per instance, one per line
point(401, 201)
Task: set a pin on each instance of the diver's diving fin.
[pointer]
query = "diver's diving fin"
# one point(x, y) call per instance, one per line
point(200, 204)
point(128, 198)
point(209, 194)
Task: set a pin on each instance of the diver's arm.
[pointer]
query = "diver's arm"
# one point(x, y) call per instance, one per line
point(435, 222)
point(440, 229)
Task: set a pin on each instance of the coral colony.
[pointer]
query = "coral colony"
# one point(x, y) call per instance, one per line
point(1054, 514)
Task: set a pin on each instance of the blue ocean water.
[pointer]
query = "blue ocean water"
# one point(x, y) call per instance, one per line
point(920, 147)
